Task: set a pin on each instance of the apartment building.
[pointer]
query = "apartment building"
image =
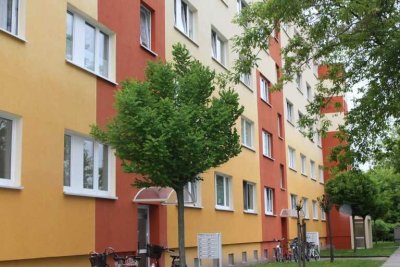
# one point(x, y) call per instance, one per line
point(62, 193)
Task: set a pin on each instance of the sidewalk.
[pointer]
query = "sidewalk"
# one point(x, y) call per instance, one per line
point(394, 260)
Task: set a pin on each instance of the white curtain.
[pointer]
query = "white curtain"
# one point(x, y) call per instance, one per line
point(184, 17)
point(145, 28)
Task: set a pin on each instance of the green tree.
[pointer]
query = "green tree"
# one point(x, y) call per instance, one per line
point(170, 129)
point(325, 204)
point(351, 188)
point(358, 39)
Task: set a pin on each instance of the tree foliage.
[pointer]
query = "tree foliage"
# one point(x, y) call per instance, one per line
point(358, 39)
point(173, 126)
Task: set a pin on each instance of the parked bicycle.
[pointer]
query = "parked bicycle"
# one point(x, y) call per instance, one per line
point(312, 251)
point(100, 259)
point(155, 252)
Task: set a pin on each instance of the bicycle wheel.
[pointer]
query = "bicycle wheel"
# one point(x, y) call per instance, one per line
point(317, 257)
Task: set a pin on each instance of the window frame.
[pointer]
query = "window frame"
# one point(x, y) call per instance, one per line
point(267, 144)
point(17, 24)
point(14, 181)
point(246, 197)
point(293, 204)
point(305, 208)
point(269, 200)
point(76, 180)
point(280, 126)
point(292, 158)
point(149, 14)
point(323, 215)
point(240, 5)
point(315, 210)
point(312, 170)
point(265, 92)
point(309, 92)
point(299, 82)
point(321, 174)
point(196, 187)
point(77, 58)
point(191, 19)
point(303, 164)
point(220, 54)
point(227, 192)
point(289, 112)
point(244, 138)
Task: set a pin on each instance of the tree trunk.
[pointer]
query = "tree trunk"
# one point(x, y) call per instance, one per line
point(365, 236)
point(376, 236)
point(328, 214)
point(181, 226)
point(354, 233)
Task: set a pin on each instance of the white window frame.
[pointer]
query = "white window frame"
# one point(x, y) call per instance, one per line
point(240, 4)
point(249, 195)
point(280, 126)
point(289, 111)
point(264, 90)
point(299, 82)
point(188, 27)
point(227, 192)
point(319, 139)
point(293, 204)
point(76, 169)
point(321, 174)
point(323, 215)
point(80, 21)
point(267, 144)
point(16, 27)
point(292, 158)
point(303, 164)
point(309, 92)
point(194, 189)
point(247, 141)
point(312, 170)
point(305, 208)
point(245, 78)
point(148, 14)
point(14, 181)
point(218, 47)
point(269, 201)
point(315, 209)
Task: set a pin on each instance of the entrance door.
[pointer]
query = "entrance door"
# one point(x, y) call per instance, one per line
point(143, 234)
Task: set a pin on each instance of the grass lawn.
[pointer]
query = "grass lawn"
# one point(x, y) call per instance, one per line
point(337, 263)
point(380, 249)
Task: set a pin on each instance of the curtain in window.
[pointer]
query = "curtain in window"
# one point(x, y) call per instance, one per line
point(103, 54)
point(145, 27)
point(178, 14)
point(214, 44)
point(90, 33)
point(184, 17)
point(5, 148)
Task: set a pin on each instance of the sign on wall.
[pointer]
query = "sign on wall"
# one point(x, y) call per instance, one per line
point(313, 237)
point(209, 246)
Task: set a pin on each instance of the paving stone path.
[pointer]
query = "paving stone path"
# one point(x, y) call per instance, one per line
point(394, 260)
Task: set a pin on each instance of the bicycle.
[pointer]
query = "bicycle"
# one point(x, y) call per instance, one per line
point(155, 251)
point(100, 259)
point(278, 251)
point(312, 251)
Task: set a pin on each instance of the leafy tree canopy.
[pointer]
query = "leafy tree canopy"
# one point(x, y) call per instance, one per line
point(169, 128)
point(358, 39)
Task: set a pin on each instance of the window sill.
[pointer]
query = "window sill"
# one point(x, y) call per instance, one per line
point(224, 3)
point(298, 89)
point(14, 187)
point(251, 212)
point(268, 157)
point(304, 174)
point(319, 146)
point(187, 37)
point(290, 122)
point(290, 168)
point(271, 215)
point(70, 193)
point(313, 179)
point(323, 220)
point(91, 72)
point(315, 219)
point(224, 209)
point(266, 102)
point(322, 183)
point(249, 148)
point(19, 38)
point(280, 137)
point(193, 206)
point(149, 50)
point(219, 63)
point(283, 189)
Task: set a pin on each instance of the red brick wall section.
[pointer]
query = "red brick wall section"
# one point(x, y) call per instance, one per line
point(116, 220)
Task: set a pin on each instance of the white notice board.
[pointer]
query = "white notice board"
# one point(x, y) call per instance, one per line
point(313, 237)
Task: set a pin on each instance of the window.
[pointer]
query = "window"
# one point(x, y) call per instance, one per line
point(312, 170)
point(303, 164)
point(9, 150)
point(89, 167)
point(88, 45)
point(315, 68)
point(249, 196)
point(218, 47)
point(9, 16)
point(145, 27)
point(240, 5)
point(247, 133)
point(319, 139)
point(267, 144)
point(264, 88)
point(223, 191)
point(323, 215)
point(321, 174)
point(315, 210)
point(244, 256)
point(305, 208)
point(299, 82)
point(282, 175)
point(269, 201)
point(309, 92)
point(184, 18)
point(280, 126)
point(193, 198)
point(231, 259)
point(255, 255)
point(293, 204)
point(289, 110)
point(246, 79)
point(292, 158)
